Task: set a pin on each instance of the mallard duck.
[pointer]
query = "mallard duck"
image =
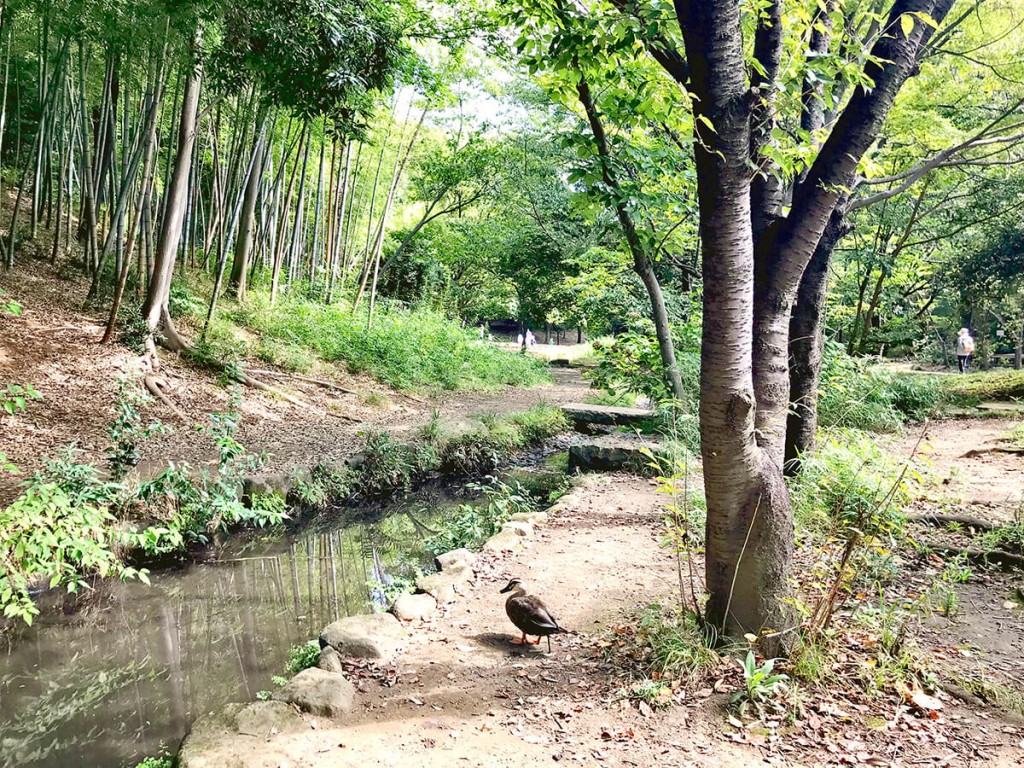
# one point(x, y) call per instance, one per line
point(529, 614)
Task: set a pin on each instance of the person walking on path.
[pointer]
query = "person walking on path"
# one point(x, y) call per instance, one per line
point(964, 350)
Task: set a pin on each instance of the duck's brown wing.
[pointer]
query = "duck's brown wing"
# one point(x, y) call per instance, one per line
point(531, 615)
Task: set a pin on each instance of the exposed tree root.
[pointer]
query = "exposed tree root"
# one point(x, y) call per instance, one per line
point(996, 557)
point(155, 385)
point(974, 453)
point(319, 382)
point(942, 520)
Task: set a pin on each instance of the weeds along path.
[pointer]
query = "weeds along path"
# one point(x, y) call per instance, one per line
point(54, 347)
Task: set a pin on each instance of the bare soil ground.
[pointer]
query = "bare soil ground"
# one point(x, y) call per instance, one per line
point(966, 466)
point(54, 346)
point(463, 694)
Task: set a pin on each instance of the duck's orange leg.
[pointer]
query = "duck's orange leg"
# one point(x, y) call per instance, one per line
point(521, 641)
point(535, 642)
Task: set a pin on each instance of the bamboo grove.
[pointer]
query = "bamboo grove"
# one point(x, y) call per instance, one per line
point(256, 142)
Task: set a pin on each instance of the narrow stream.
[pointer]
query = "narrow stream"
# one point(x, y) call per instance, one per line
point(124, 677)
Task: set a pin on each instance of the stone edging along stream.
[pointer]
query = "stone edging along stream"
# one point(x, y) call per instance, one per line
point(323, 690)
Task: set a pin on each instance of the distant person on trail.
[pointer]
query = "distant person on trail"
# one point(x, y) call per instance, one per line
point(531, 340)
point(519, 342)
point(964, 350)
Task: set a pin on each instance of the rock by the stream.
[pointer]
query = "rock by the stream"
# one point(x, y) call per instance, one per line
point(269, 484)
point(504, 541)
point(204, 747)
point(456, 559)
point(585, 413)
point(319, 692)
point(533, 518)
point(330, 660)
point(444, 586)
point(414, 607)
point(611, 453)
point(375, 636)
point(518, 527)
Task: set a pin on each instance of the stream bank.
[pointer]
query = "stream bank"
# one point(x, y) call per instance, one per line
point(124, 674)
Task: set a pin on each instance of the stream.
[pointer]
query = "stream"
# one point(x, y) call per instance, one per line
point(124, 676)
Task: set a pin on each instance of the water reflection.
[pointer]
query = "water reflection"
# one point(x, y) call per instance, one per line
point(124, 677)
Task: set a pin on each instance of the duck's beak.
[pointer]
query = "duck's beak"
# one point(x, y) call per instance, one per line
point(508, 588)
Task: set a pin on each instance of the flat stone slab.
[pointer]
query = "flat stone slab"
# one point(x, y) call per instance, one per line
point(319, 692)
point(375, 636)
point(584, 413)
point(611, 453)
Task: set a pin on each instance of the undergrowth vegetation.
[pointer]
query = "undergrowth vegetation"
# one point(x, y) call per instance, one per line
point(470, 525)
point(386, 465)
point(408, 349)
point(858, 394)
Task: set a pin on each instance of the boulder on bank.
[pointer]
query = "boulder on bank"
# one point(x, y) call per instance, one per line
point(612, 453)
point(518, 527)
point(330, 660)
point(210, 737)
point(319, 692)
point(456, 559)
point(375, 636)
point(505, 541)
point(414, 607)
point(444, 586)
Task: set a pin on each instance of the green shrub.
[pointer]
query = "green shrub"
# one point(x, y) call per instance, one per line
point(986, 385)
point(856, 394)
point(160, 761)
point(407, 349)
point(849, 480)
point(471, 525)
point(57, 534)
point(302, 657)
point(389, 465)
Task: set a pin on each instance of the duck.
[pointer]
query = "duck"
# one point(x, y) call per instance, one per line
point(529, 614)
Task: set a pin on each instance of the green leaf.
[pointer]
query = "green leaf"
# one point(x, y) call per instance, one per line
point(907, 24)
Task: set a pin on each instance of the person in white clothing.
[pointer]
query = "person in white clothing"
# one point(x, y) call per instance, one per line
point(964, 350)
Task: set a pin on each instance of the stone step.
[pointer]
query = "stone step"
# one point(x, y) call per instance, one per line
point(612, 453)
point(585, 413)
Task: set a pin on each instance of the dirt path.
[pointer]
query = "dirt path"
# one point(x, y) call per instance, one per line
point(964, 466)
point(462, 694)
point(54, 347)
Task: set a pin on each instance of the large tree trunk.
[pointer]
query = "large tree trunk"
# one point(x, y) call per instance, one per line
point(749, 538)
point(155, 309)
point(806, 344)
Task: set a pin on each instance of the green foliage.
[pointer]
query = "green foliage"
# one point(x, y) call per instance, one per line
point(160, 761)
point(57, 536)
point(470, 525)
point(666, 644)
point(302, 657)
point(759, 686)
point(987, 385)
point(850, 485)
point(133, 327)
point(484, 450)
point(853, 393)
point(388, 465)
point(14, 398)
point(327, 484)
point(407, 349)
point(126, 431)
point(384, 590)
point(9, 306)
